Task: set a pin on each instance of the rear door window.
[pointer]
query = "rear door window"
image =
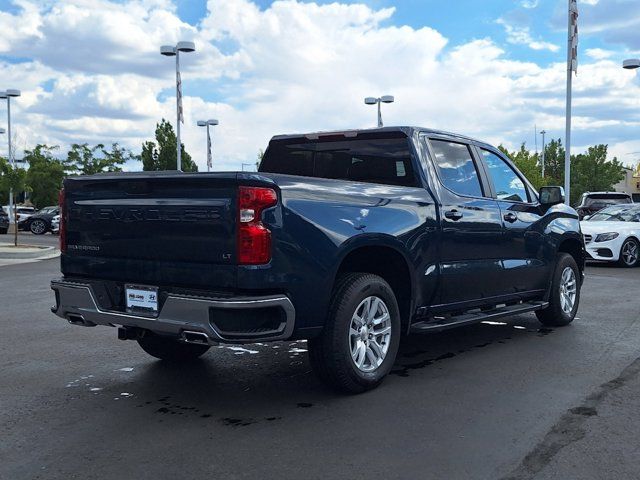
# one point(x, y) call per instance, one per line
point(456, 168)
point(383, 160)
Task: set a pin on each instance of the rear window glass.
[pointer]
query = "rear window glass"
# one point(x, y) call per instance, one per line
point(606, 199)
point(373, 160)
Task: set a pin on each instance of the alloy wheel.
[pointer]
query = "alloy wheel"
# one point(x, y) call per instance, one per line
point(370, 334)
point(568, 290)
point(630, 252)
point(38, 227)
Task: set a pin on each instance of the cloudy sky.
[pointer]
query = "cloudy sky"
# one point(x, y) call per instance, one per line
point(90, 70)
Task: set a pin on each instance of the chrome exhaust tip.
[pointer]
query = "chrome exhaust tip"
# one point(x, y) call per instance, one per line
point(77, 319)
point(195, 337)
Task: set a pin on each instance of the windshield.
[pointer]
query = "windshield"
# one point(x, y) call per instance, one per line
point(617, 214)
point(48, 210)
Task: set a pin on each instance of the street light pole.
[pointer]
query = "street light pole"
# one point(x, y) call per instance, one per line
point(170, 51)
point(543, 132)
point(203, 123)
point(8, 94)
point(178, 112)
point(378, 101)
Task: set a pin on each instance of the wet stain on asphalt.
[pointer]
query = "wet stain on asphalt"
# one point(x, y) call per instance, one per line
point(169, 408)
point(238, 422)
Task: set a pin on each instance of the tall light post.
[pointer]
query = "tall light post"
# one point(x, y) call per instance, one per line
point(206, 123)
point(543, 132)
point(8, 94)
point(378, 101)
point(170, 51)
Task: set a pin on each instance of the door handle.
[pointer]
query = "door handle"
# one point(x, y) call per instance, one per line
point(510, 217)
point(454, 215)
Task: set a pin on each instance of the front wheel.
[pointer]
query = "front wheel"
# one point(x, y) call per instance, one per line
point(629, 253)
point(360, 340)
point(38, 227)
point(170, 349)
point(565, 293)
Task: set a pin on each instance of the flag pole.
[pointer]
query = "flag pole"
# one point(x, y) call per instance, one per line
point(570, 67)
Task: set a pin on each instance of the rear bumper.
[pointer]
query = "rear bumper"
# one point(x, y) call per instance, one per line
point(76, 302)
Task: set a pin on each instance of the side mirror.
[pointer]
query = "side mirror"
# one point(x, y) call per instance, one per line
point(551, 196)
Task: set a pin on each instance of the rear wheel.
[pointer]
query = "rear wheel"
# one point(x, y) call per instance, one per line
point(38, 227)
point(360, 340)
point(565, 293)
point(3, 231)
point(170, 349)
point(629, 253)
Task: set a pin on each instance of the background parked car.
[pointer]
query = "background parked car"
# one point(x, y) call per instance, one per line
point(23, 212)
point(4, 221)
point(55, 224)
point(40, 222)
point(613, 235)
point(592, 202)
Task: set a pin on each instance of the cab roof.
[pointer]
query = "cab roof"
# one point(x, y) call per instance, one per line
point(406, 130)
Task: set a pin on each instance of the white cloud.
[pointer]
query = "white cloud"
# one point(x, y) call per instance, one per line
point(290, 68)
point(530, 3)
point(598, 53)
point(521, 35)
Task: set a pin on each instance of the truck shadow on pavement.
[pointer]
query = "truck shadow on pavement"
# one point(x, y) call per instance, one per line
point(268, 381)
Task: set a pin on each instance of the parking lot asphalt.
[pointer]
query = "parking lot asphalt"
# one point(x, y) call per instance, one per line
point(502, 400)
point(28, 238)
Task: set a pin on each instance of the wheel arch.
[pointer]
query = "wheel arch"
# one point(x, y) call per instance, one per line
point(383, 257)
point(575, 248)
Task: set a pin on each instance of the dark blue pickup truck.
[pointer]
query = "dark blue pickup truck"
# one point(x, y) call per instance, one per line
point(348, 239)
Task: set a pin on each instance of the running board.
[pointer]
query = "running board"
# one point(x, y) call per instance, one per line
point(476, 317)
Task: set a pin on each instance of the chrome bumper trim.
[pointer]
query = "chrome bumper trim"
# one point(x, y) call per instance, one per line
point(77, 300)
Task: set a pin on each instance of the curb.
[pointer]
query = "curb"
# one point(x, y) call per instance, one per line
point(42, 252)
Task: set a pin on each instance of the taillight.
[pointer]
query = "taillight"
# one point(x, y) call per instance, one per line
point(62, 227)
point(254, 239)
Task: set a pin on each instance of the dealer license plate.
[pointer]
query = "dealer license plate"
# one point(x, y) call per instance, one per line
point(142, 298)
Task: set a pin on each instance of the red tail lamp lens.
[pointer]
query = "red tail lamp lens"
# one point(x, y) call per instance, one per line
point(254, 239)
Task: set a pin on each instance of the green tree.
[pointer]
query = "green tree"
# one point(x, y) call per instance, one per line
point(45, 174)
point(87, 160)
point(554, 163)
point(592, 172)
point(162, 155)
point(4, 187)
point(12, 179)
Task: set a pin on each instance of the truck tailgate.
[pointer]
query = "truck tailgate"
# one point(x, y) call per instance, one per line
point(152, 228)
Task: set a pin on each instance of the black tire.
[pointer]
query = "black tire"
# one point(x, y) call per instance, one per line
point(554, 315)
point(38, 227)
point(624, 260)
point(3, 231)
point(330, 353)
point(170, 349)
